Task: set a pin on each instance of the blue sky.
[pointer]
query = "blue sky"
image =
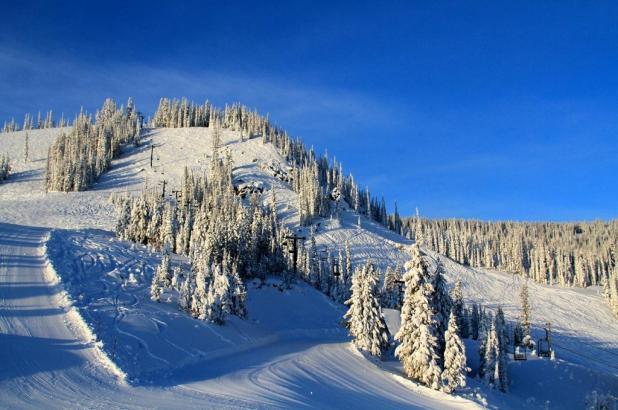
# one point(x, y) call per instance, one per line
point(484, 110)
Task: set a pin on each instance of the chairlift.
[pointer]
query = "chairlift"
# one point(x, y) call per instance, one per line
point(336, 272)
point(519, 353)
point(544, 345)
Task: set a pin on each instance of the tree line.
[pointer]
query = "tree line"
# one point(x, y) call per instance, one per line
point(32, 123)
point(565, 254)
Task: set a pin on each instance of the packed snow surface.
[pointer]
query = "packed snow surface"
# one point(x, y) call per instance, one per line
point(77, 328)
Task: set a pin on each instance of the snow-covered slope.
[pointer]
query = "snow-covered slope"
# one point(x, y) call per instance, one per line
point(290, 352)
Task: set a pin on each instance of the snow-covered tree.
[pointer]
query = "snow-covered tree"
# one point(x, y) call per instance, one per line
point(161, 279)
point(219, 304)
point(418, 348)
point(442, 303)
point(27, 148)
point(494, 354)
point(364, 316)
point(454, 373)
point(458, 308)
point(392, 289)
point(525, 312)
point(4, 167)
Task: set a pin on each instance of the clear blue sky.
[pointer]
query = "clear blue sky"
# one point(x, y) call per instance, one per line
point(480, 110)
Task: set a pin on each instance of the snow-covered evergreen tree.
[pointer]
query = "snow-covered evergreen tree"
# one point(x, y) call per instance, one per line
point(392, 289)
point(364, 316)
point(442, 303)
point(4, 167)
point(454, 373)
point(27, 148)
point(218, 302)
point(494, 359)
point(458, 308)
point(161, 279)
point(418, 348)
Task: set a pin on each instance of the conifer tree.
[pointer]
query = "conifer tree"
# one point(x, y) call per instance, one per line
point(454, 373)
point(525, 311)
point(161, 279)
point(494, 355)
point(418, 348)
point(364, 317)
point(27, 148)
point(391, 291)
point(442, 303)
point(458, 308)
point(4, 167)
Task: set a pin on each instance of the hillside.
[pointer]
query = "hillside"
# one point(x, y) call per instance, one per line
point(290, 352)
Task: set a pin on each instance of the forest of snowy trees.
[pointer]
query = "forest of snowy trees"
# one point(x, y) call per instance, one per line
point(565, 254)
point(77, 159)
point(226, 240)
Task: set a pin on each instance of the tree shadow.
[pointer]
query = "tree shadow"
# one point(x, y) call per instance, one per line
point(24, 356)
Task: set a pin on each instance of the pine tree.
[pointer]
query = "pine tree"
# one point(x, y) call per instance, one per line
point(458, 308)
point(161, 279)
point(494, 355)
point(185, 294)
point(4, 167)
point(200, 299)
point(27, 148)
point(218, 302)
point(364, 317)
point(124, 219)
point(418, 348)
point(454, 373)
point(442, 303)
point(391, 291)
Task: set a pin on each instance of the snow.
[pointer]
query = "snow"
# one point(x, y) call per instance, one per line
point(77, 325)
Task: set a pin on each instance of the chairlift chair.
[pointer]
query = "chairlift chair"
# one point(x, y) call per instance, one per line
point(543, 348)
point(519, 353)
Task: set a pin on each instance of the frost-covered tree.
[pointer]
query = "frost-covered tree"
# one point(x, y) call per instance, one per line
point(392, 289)
point(167, 231)
point(161, 279)
point(454, 373)
point(364, 316)
point(525, 312)
point(218, 301)
point(494, 359)
point(26, 148)
point(458, 309)
point(124, 219)
point(418, 348)
point(4, 167)
point(442, 303)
